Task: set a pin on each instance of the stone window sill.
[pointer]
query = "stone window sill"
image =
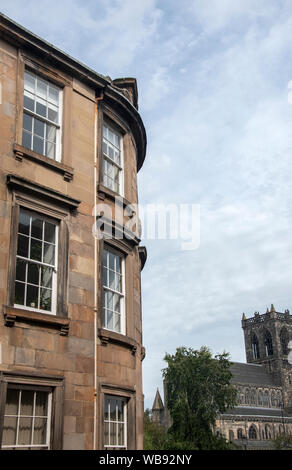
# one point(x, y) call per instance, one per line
point(103, 192)
point(13, 315)
point(21, 152)
point(107, 336)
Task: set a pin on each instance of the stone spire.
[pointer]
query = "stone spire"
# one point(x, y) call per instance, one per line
point(157, 404)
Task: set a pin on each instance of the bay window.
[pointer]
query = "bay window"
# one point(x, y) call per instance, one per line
point(113, 291)
point(112, 159)
point(115, 422)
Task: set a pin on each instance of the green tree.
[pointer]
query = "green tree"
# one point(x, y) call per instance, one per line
point(155, 435)
point(283, 442)
point(198, 390)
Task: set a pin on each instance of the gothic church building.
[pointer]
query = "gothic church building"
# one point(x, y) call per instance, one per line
point(264, 384)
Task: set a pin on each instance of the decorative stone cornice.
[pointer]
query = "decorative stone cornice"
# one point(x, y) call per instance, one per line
point(42, 192)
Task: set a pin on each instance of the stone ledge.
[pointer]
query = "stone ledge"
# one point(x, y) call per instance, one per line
point(104, 192)
point(13, 315)
point(22, 152)
point(42, 192)
point(107, 336)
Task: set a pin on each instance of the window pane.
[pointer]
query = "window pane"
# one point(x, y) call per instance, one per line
point(111, 153)
point(22, 246)
point(38, 145)
point(51, 133)
point(28, 102)
point(20, 270)
point(29, 82)
point(32, 296)
point(117, 322)
point(41, 406)
point(121, 435)
point(25, 428)
point(53, 113)
point(19, 293)
point(40, 431)
point(117, 303)
point(41, 108)
point(50, 150)
point(120, 407)
point(26, 139)
point(46, 299)
point(118, 283)
point(53, 94)
point(106, 404)
point(49, 254)
point(105, 271)
point(113, 434)
point(23, 224)
point(37, 228)
point(27, 122)
point(9, 431)
point(39, 128)
point(26, 408)
point(111, 280)
point(46, 277)
point(113, 409)
point(111, 261)
point(117, 157)
point(33, 274)
point(41, 88)
point(110, 136)
point(36, 250)
point(109, 320)
point(108, 299)
point(12, 399)
point(50, 232)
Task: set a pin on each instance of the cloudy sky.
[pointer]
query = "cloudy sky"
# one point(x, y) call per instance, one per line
point(216, 99)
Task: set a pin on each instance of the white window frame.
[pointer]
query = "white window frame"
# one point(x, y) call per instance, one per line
point(39, 263)
point(112, 162)
point(33, 416)
point(58, 125)
point(124, 423)
point(122, 294)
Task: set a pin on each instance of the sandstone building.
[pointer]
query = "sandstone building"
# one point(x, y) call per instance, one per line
point(70, 322)
point(264, 385)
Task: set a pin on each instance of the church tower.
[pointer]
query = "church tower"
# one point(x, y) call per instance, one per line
point(268, 342)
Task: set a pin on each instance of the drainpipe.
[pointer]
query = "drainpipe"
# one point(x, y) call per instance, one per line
point(95, 270)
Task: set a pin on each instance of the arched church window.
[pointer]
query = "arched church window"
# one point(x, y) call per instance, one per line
point(247, 396)
point(268, 344)
point(231, 435)
point(252, 433)
point(255, 347)
point(266, 401)
point(253, 397)
point(273, 399)
point(239, 433)
point(268, 432)
point(260, 398)
point(284, 339)
point(240, 396)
